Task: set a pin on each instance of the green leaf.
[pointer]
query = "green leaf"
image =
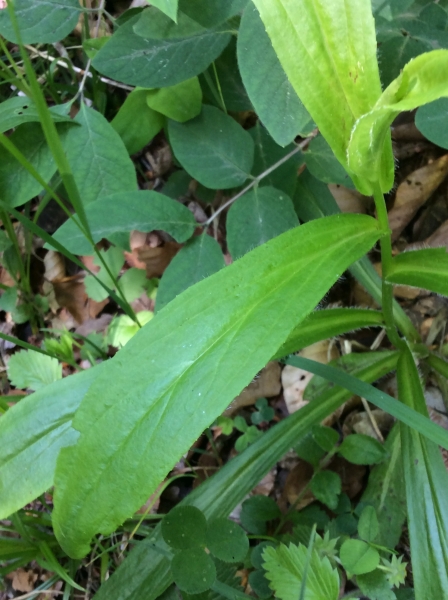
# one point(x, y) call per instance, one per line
point(323, 164)
point(357, 557)
point(199, 258)
point(427, 268)
point(114, 259)
point(256, 217)
point(395, 53)
point(375, 586)
point(328, 323)
point(122, 328)
point(20, 109)
point(419, 83)
point(267, 153)
point(257, 511)
point(218, 495)
point(193, 571)
point(41, 21)
point(285, 569)
point(159, 57)
point(213, 148)
point(426, 482)
point(184, 527)
point(227, 541)
point(181, 398)
point(133, 283)
point(210, 13)
point(136, 133)
point(361, 449)
point(326, 487)
point(385, 492)
point(32, 370)
point(326, 437)
point(432, 121)
point(313, 199)
point(259, 584)
point(98, 158)
point(328, 51)
point(169, 7)
point(141, 210)
point(275, 101)
point(17, 186)
point(368, 526)
point(179, 102)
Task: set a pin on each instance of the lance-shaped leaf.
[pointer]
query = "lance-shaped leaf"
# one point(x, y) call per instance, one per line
point(328, 51)
point(323, 324)
point(423, 80)
point(426, 481)
point(219, 494)
point(184, 367)
point(427, 268)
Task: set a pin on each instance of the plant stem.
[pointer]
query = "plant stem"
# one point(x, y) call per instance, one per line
point(386, 263)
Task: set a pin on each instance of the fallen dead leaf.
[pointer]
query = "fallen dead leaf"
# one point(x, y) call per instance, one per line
point(349, 201)
point(265, 385)
point(23, 580)
point(439, 238)
point(145, 255)
point(414, 191)
point(71, 294)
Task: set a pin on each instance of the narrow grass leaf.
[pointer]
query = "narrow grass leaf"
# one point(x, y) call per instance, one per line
point(427, 268)
point(147, 397)
point(125, 211)
point(426, 482)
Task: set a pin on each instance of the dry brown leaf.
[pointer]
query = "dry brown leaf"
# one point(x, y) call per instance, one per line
point(349, 201)
point(154, 259)
point(297, 480)
point(266, 385)
point(71, 294)
point(414, 191)
point(439, 238)
point(22, 580)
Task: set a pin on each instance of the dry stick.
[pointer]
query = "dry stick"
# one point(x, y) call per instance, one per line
point(83, 72)
point(37, 592)
point(259, 178)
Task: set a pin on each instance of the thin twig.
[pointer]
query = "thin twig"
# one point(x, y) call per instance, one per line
point(372, 419)
point(62, 63)
point(260, 177)
point(37, 592)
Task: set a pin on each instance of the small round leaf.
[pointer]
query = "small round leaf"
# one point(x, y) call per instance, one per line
point(227, 541)
point(256, 511)
point(326, 486)
point(361, 449)
point(357, 557)
point(259, 584)
point(256, 557)
point(193, 571)
point(184, 527)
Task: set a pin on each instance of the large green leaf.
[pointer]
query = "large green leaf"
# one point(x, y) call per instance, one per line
point(256, 217)
point(180, 102)
point(275, 101)
point(157, 61)
point(426, 481)
point(328, 51)
point(20, 109)
point(218, 495)
point(210, 13)
point(145, 397)
point(123, 212)
point(169, 7)
point(322, 163)
point(98, 158)
point(422, 80)
point(32, 433)
point(200, 257)
point(17, 186)
point(427, 268)
point(41, 21)
point(213, 148)
point(432, 121)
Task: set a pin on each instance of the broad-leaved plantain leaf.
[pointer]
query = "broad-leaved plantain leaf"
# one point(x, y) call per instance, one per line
point(426, 481)
point(142, 210)
point(223, 331)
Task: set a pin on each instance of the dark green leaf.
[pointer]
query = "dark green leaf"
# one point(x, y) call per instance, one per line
point(210, 13)
point(213, 148)
point(193, 571)
point(357, 557)
point(308, 449)
point(326, 487)
point(256, 512)
point(136, 133)
point(256, 556)
point(375, 586)
point(326, 437)
point(432, 121)
point(157, 61)
point(41, 21)
point(98, 158)
point(227, 541)
point(361, 449)
point(142, 210)
point(184, 527)
point(199, 258)
point(395, 53)
point(323, 164)
point(267, 153)
point(259, 584)
point(368, 527)
point(20, 109)
point(258, 216)
point(269, 90)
